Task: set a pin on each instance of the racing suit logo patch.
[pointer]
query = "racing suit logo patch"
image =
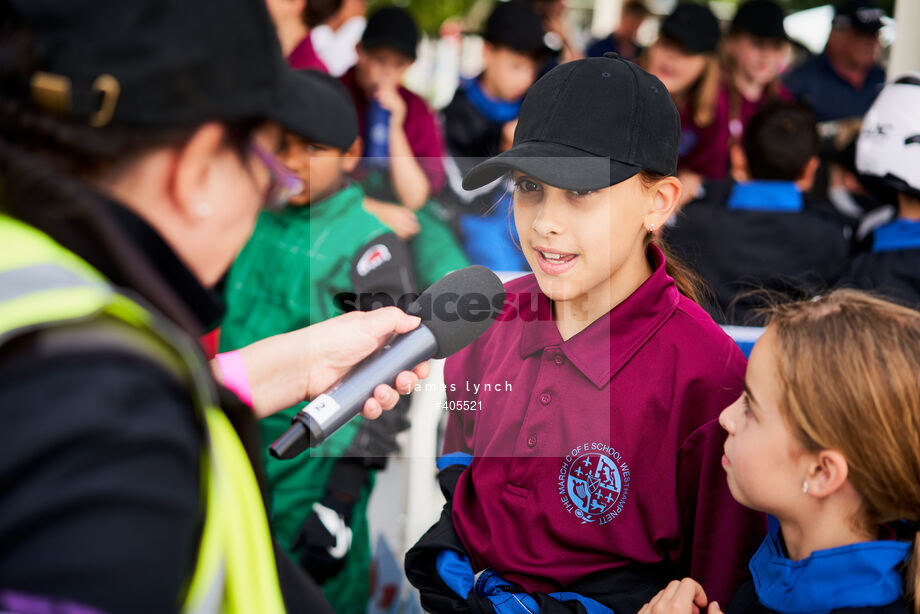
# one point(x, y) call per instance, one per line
point(374, 257)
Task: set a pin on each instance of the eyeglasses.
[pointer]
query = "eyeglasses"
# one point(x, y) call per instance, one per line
point(285, 184)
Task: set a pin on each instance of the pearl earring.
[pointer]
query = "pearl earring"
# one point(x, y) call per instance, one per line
point(203, 210)
point(651, 228)
point(805, 487)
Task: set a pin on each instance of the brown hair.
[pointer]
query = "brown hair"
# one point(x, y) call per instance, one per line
point(688, 281)
point(705, 92)
point(848, 364)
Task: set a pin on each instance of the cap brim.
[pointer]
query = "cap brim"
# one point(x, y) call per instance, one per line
point(399, 45)
point(555, 164)
point(309, 107)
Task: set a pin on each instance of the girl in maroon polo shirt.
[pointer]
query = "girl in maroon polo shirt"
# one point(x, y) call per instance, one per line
point(685, 57)
point(757, 50)
point(582, 451)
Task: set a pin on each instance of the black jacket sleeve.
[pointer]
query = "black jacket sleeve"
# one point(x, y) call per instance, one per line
point(420, 561)
point(99, 461)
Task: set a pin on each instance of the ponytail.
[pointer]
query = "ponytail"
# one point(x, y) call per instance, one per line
point(705, 93)
point(688, 281)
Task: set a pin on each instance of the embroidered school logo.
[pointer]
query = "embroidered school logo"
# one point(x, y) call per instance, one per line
point(594, 483)
point(371, 259)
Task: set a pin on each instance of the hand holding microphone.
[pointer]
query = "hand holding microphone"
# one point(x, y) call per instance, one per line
point(285, 369)
point(455, 311)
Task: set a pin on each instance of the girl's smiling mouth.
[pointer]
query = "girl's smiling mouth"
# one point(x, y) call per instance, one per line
point(554, 261)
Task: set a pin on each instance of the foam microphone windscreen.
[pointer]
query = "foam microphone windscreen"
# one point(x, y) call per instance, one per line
point(460, 307)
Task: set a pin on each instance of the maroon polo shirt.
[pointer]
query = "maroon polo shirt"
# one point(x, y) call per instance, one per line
point(738, 118)
point(704, 149)
point(421, 128)
point(601, 450)
point(305, 56)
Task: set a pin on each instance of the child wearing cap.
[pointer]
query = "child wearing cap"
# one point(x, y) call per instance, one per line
point(623, 39)
point(888, 160)
point(765, 231)
point(825, 439)
point(304, 264)
point(402, 169)
point(479, 123)
point(685, 58)
point(587, 474)
point(756, 50)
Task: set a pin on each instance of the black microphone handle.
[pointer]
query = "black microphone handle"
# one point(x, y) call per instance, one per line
point(334, 408)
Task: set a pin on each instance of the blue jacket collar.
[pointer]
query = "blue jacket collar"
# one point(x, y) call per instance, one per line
point(766, 196)
point(494, 110)
point(898, 235)
point(858, 575)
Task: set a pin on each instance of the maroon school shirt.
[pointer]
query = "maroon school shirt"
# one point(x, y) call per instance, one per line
point(421, 127)
point(739, 118)
point(704, 149)
point(305, 56)
point(601, 450)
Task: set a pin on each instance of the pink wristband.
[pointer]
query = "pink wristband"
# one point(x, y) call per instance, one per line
point(234, 372)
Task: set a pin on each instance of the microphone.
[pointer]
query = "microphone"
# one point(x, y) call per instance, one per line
point(455, 311)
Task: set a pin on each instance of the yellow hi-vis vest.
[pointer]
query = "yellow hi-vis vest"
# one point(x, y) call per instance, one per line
point(43, 286)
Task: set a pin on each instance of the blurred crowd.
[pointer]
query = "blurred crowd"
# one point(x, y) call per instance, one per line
point(815, 229)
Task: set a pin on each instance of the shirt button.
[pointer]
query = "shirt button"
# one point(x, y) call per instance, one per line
point(532, 440)
point(545, 398)
point(559, 359)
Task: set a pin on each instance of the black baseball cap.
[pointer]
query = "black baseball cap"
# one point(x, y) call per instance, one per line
point(588, 124)
point(392, 27)
point(517, 26)
point(150, 62)
point(693, 26)
point(760, 18)
point(863, 15)
point(314, 95)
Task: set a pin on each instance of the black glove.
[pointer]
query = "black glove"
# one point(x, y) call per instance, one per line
point(324, 541)
point(325, 537)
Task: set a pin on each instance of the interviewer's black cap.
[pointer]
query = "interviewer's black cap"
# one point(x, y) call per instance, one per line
point(589, 124)
point(155, 63)
point(863, 15)
point(321, 110)
point(760, 18)
point(693, 26)
point(392, 27)
point(517, 26)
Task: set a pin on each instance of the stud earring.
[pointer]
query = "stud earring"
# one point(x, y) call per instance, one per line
point(203, 210)
point(651, 228)
point(805, 487)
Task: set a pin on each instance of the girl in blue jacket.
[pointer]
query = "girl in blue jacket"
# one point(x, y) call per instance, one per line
point(826, 440)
